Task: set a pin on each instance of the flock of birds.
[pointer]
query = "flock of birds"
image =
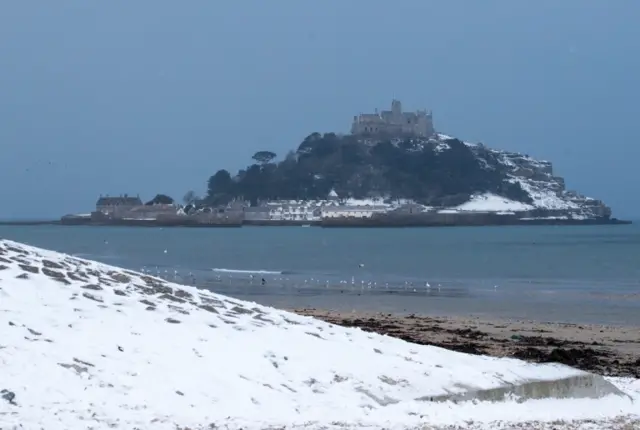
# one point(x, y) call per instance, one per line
point(255, 280)
point(243, 278)
point(279, 281)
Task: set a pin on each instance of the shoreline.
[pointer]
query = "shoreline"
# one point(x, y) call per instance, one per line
point(346, 223)
point(601, 349)
point(476, 220)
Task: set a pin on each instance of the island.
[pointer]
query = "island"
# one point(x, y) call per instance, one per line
point(392, 169)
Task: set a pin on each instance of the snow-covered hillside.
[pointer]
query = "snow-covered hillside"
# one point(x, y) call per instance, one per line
point(548, 195)
point(86, 345)
point(536, 177)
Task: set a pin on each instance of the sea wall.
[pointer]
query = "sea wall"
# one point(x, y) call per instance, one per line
point(389, 219)
point(436, 219)
point(165, 220)
point(280, 222)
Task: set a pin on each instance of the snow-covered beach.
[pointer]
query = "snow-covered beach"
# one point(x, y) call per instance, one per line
point(603, 349)
point(87, 345)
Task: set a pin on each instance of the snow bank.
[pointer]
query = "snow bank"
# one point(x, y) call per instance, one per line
point(488, 202)
point(542, 196)
point(86, 345)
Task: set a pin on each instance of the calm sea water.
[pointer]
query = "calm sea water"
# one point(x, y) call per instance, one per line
point(575, 274)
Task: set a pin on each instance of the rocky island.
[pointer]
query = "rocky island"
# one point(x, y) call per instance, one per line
point(392, 169)
point(395, 169)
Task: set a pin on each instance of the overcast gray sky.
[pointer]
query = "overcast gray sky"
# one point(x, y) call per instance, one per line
point(156, 95)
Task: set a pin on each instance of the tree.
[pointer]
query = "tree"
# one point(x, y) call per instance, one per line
point(264, 157)
point(219, 183)
point(413, 169)
point(160, 199)
point(189, 198)
point(291, 159)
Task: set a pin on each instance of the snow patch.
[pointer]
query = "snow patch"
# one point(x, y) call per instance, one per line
point(542, 196)
point(489, 202)
point(88, 345)
point(441, 147)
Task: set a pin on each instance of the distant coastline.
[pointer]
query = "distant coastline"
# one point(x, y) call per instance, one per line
point(393, 170)
point(471, 221)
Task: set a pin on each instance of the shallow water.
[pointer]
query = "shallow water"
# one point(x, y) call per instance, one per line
point(581, 274)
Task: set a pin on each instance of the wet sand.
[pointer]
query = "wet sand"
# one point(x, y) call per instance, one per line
point(606, 350)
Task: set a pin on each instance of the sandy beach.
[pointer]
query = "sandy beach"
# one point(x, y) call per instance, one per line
point(606, 350)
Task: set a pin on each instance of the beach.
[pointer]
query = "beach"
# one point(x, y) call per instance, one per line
point(606, 350)
point(85, 343)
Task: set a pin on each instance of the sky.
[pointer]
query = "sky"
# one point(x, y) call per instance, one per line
point(154, 96)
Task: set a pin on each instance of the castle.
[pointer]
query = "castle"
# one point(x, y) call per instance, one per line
point(394, 122)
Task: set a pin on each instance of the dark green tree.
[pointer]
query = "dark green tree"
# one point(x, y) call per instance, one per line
point(160, 199)
point(219, 183)
point(264, 157)
point(434, 173)
point(189, 198)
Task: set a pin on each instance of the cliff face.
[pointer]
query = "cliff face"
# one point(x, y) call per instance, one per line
point(545, 195)
point(547, 191)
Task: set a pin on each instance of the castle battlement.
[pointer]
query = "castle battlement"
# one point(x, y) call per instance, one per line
point(394, 122)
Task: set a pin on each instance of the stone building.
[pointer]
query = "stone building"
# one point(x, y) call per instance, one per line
point(149, 212)
point(115, 206)
point(394, 122)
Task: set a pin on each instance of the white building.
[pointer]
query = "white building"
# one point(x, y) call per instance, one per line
point(305, 211)
point(352, 211)
point(284, 211)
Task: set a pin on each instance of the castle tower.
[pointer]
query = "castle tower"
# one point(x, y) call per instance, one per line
point(396, 108)
point(424, 124)
point(354, 125)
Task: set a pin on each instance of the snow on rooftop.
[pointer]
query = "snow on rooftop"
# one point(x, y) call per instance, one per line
point(87, 345)
point(488, 202)
point(365, 202)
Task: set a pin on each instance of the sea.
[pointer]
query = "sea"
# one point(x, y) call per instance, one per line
point(578, 274)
